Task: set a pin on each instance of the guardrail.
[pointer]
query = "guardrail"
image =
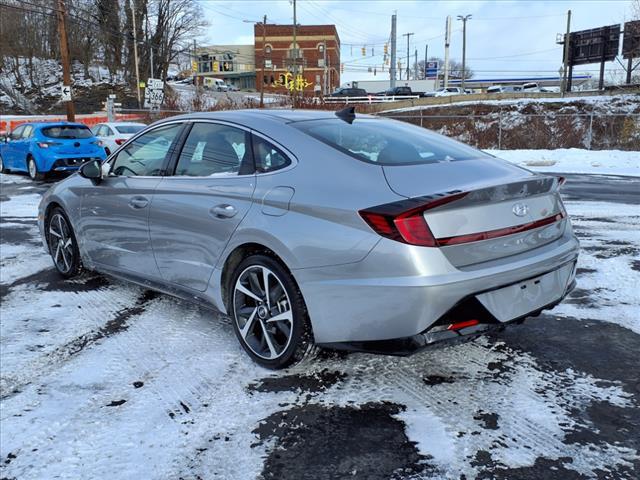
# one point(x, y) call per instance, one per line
point(370, 99)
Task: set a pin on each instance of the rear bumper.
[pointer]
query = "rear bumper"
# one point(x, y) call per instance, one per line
point(400, 291)
point(66, 162)
point(435, 335)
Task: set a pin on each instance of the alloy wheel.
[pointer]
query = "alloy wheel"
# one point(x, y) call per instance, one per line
point(33, 171)
point(263, 312)
point(61, 243)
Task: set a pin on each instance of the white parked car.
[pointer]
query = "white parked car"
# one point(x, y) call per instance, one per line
point(233, 88)
point(446, 92)
point(114, 134)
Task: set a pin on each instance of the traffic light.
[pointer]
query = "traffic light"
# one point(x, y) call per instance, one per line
point(364, 51)
point(386, 48)
point(342, 68)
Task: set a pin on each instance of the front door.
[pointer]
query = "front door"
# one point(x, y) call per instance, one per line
point(114, 214)
point(195, 212)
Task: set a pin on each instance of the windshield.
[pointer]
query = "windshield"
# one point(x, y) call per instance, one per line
point(129, 128)
point(67, 131)
point(386, 142)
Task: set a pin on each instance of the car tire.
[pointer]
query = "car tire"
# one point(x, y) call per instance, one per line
point(273, 344)
point(3, 169)
point(62, 243)
point(32, 169)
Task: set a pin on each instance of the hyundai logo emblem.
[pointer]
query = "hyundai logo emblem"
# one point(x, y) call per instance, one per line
point(520, 209)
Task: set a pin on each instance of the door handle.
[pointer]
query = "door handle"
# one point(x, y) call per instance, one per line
point(138, 202)
point(223, 211)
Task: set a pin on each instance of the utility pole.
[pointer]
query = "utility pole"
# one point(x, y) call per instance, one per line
point(324, 68)
point(295, 51)
point(151, 60)
point(567, 42)
point(61, 13)
point(426, 50)
point(392, 70)
point(415, 66)
point(408, 35)
point(464, 46)
point(447, 42)
point(135, 49)
point(264, 59)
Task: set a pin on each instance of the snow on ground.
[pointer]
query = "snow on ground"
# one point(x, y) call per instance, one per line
point(102, 379)
point(623, 103)
point(575, 160)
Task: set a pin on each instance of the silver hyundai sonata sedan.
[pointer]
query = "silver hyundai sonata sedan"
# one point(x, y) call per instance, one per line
point(317, 228)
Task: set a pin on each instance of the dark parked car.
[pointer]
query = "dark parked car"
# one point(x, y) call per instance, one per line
point(400, 91)
point(349, 92)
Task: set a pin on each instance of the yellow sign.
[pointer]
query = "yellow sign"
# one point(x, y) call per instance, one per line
point(297, 84)
point(194, 66)
point(216, 66)
point(142, 85)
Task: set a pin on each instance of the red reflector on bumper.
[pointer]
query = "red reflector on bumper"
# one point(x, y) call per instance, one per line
point(461, 325)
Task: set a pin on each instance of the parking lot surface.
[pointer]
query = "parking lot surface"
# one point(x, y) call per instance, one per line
point(102, 379)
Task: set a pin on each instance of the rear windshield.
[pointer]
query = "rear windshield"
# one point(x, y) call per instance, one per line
point(385, 142)
point(129, 128)
point(67, 131)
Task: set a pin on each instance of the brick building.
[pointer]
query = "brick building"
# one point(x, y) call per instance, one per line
point(316, 58)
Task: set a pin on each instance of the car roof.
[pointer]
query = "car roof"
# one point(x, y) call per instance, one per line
point(254, 118)
point(51, 124)
point(121, 124)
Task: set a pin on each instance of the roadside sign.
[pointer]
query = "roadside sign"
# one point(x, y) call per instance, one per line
point(431, 70)
point(65, 93)
point(142, 84)
point(194, 66)
point(154, 93)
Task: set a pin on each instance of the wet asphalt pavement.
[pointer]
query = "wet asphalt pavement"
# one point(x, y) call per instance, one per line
point(101, 379)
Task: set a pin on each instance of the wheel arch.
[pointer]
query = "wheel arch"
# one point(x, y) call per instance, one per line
point(236, 256)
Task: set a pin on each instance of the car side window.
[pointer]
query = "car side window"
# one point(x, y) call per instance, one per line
point(28, 131)
point(17, 133)
point(268, 157)
point(147, 154)
point(100, 131)
point(214, 149)
point(106, 131)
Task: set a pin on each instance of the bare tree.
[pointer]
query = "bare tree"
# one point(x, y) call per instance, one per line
point(455, 68)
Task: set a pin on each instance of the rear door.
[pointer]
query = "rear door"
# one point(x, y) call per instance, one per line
point(115, 212)
point(10, 152)
point(195, 211)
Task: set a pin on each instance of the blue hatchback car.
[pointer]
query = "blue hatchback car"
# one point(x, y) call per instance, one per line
point(41, 148)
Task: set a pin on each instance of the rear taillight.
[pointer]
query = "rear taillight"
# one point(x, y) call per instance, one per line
point(47, 144)
point(120, 141)
point(404, 221)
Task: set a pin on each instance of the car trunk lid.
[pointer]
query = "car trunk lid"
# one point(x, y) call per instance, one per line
point(499, 209)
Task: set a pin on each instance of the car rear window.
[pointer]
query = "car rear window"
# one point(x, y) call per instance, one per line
point(67, 131)
point(129, 128)
point(385, 142)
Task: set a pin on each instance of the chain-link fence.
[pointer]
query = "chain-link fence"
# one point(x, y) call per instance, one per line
point(515, 130)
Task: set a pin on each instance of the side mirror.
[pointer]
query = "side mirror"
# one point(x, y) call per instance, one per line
point(92, 170)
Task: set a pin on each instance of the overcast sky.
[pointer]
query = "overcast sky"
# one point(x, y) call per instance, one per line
point(504, 38)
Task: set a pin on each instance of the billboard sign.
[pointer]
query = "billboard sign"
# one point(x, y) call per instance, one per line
point(631, 40)
point(595, 45)
point(431, 70)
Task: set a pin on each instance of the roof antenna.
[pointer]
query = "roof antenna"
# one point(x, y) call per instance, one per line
point(347, 114)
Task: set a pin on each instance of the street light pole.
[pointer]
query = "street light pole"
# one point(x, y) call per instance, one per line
point(464, 45)
point(408, 35)
point(264, 58)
